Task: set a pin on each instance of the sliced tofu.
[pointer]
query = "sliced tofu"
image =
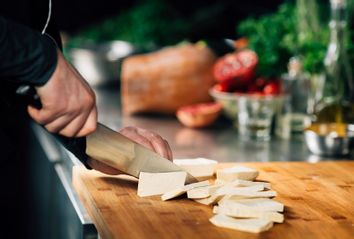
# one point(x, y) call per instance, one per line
point(263, 204)
point(214, 198)
point(151, 184)
point(237, 194)
point(232, 210)
point(246, 225)
point(202, 192)
point(229, 190)
point(179, 191)
point(200, 168)
point(242, 183)
point(237, 172)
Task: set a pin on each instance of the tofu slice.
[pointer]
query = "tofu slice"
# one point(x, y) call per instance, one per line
point(200, 168)
point(229, 190)
point(262, 204)
point(237, 172)
point(151, 184)
point(202, 192)
point(237, 194)
point(243, 183)
point(214, 198)
point(246, 225)
point(232, 210)
point(179, 191)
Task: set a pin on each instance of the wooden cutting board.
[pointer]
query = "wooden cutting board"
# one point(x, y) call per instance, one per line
point(319, 200)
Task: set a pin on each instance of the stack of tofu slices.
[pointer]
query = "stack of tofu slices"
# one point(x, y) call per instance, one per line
point(239, 202)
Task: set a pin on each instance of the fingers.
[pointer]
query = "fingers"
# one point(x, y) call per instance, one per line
point(149, 139)
point(104, 168)
point(157, 142)
point(169, 151)
point(41, 116)
point(76, 124)
point(132, 133)
point(90, 124)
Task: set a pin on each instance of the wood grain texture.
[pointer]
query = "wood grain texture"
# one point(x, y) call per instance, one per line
point(319, 200)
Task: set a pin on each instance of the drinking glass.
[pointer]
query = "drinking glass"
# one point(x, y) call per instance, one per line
point(256, 114)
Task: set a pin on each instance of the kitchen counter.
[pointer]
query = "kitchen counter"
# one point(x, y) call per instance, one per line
point(219, 142)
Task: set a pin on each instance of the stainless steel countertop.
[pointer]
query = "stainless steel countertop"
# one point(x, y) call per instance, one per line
point(220, 142)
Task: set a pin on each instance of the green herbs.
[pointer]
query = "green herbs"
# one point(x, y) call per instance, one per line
point(148, 24)
point(294, 29)
point(271, 36)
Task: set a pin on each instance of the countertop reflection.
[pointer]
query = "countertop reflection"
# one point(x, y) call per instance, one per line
point(219, 142)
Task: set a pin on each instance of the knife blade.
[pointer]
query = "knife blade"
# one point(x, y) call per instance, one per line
point(118, 151)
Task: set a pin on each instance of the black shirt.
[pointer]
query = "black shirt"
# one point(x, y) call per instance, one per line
point(27, 56)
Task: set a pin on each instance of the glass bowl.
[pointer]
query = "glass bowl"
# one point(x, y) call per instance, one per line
point(253, 114)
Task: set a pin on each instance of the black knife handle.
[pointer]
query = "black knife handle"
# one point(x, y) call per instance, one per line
point(75, 145)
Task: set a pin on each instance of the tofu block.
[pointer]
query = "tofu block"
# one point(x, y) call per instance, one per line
point(233, 210)
point(237, 172)
point(151, 184)
point(243, 183)
point(263, 204)
point(202, 192)
point(246, 225)
point(200, 168)
point(179, 191)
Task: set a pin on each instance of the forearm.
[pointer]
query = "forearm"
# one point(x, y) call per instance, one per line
point(26, 56)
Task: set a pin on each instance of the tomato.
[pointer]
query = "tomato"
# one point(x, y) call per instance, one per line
point(238, 66)
point(272, 88)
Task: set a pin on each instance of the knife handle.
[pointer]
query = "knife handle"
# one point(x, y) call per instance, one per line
point(110, 147)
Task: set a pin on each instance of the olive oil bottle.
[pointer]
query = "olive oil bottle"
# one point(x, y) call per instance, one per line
point(336, 104)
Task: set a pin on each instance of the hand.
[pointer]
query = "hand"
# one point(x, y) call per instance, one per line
point(144, 137)
point(68, 103)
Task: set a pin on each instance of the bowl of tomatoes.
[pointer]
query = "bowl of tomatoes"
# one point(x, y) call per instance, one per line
point(237, 78)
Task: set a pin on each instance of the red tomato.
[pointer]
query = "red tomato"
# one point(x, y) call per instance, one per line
point(272, 88)
point(238, 66)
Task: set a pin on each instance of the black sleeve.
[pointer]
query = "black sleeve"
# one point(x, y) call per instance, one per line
point(30, 58)
point(26, 56)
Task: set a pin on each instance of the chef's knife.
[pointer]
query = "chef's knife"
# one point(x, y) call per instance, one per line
point(118, 151)
point(114, 149)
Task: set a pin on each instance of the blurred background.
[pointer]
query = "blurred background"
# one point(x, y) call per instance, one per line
point(195, 19)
